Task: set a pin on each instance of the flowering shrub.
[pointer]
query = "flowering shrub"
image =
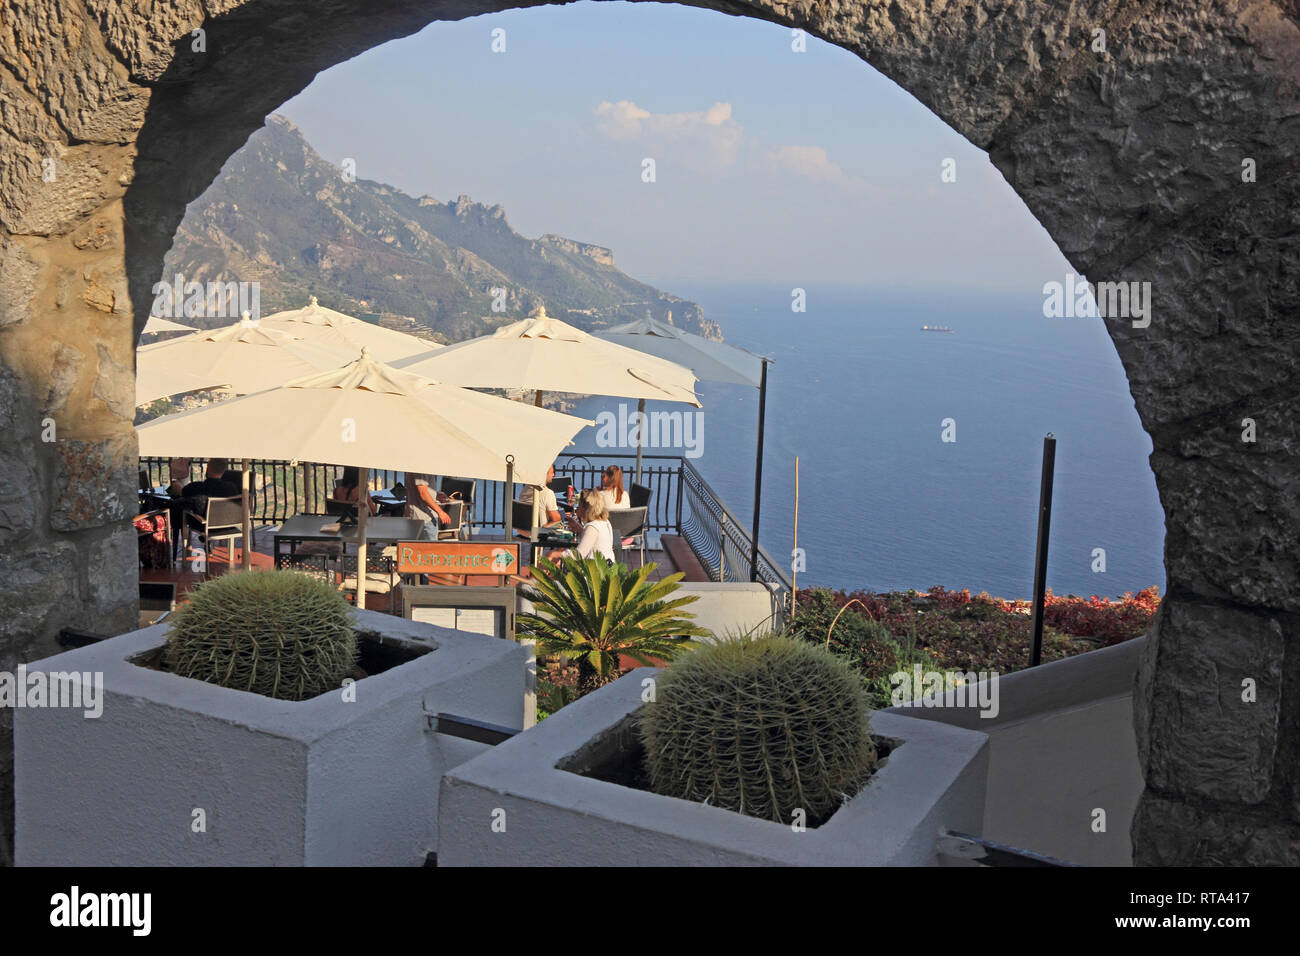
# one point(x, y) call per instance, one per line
point(1111, 621)
point(960, 631)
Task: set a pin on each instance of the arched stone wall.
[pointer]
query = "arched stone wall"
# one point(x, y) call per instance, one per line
point(1131, 158)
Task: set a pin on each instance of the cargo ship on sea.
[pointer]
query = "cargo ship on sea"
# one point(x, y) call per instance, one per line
point(937, 328)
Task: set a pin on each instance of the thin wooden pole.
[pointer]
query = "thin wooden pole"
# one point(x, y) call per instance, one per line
point(794, 563)
point(363, 512)
point(248, 519)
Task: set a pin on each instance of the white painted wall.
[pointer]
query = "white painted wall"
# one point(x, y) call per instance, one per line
point(727, 608)
point(556, 818)
point(1061, 747)
point(319, 782)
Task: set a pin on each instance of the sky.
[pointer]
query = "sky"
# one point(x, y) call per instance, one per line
point(769, 164)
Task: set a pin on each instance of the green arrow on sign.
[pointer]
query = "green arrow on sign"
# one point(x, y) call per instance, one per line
point(503, 559)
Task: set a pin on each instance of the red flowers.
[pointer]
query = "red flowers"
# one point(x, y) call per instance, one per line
point(981, 632)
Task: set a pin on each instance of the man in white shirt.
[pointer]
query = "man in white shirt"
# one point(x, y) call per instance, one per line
point(549, 506)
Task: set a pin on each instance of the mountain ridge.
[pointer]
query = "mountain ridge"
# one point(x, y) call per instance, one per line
point(282, 216)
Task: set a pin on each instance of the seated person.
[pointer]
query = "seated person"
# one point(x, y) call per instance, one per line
point(549, 506)
point(422, 503)
point(611, 489)
point(595, 533)
point(219, 482)
point(180, 473)
point(346, 490)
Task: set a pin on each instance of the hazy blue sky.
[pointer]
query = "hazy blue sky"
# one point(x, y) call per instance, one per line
point(771, 165)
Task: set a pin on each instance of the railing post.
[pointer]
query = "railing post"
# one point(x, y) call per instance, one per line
point(681, 492)
point(722, 549)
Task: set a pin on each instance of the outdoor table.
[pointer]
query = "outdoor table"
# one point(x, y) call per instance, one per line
point(380, 530)
point(388, 503)
point(530, 544)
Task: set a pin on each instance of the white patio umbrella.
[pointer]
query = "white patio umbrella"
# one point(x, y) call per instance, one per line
point(157, 324)
point(370, 415)
point(243, 357)
point(711, 362)
point(343, 333)
point(549, 355)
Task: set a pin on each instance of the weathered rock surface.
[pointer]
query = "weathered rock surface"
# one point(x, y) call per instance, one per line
point(1134, 157)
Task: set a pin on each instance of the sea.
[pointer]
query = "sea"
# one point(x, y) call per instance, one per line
point(919, 453)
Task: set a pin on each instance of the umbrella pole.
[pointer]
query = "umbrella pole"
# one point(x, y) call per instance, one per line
point(537, 399)
point(507, 506)
point(640, 435)
point(758, 472)
point(363, 512)
point(248, 519)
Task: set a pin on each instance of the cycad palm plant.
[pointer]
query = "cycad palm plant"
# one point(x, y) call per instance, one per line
point(592, 611)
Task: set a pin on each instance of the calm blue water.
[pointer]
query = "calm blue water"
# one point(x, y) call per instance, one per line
point(858, 392)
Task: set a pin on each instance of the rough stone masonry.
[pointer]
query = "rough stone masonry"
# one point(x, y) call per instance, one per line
point(1167, 154)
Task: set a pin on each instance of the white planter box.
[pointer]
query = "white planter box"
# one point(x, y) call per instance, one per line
point(316, 782)
point(934, 778)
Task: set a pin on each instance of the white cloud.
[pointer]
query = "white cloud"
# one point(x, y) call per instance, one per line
point(812, 163)
point(708, 138)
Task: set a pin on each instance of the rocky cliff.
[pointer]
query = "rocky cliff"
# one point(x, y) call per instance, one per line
point(282, 216)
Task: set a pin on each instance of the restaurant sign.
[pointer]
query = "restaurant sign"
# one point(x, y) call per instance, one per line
point(457, 557)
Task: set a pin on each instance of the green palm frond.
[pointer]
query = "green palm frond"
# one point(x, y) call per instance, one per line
point(591, 611)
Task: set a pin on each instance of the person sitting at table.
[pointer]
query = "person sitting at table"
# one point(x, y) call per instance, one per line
point(422, 503)
point(611, 489)
point(591, 525)
point(549, 506)
point(347, 491)
point(180, 473)
point(218, 482)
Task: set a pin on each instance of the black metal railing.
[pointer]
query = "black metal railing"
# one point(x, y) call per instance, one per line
point(681, 502)
point(278, 489)
point(721, 542)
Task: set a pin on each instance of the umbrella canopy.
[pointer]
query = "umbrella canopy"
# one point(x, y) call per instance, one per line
point(548, 355)
point(243, 357)
point(343, 333)
point(710, 361)
point(156, 324)
point(370, 415)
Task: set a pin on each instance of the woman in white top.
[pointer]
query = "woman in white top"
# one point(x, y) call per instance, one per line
point(611, 489)
point(595, 533)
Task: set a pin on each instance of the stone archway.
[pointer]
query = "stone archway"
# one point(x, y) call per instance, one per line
point(1132, 158)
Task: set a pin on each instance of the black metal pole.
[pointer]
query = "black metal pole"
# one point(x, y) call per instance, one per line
point(758, 472)
point(1040, 560)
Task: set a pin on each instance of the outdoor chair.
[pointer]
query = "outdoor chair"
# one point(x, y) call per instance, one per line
point(381, 573)
point(560, 484)
point(222, 520)
point(153, 532)
point(456, 511)
point(461, 489)
point(639, 495)
point(629, 523)
point(340, 508)
point(312, 565)
point(521, 517)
